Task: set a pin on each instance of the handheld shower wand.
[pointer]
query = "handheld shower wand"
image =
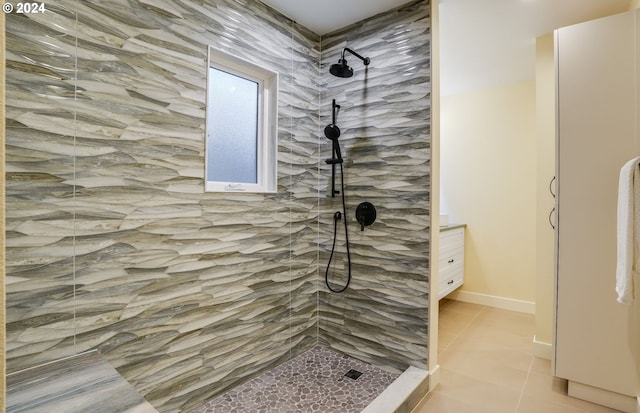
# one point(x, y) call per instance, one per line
point(332, 132)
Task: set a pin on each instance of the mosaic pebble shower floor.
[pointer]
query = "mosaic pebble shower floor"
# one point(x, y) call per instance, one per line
point(315, 381)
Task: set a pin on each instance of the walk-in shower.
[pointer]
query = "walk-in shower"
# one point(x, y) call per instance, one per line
point(113, 244)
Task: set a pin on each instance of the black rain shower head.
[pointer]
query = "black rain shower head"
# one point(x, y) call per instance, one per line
point(341, 69)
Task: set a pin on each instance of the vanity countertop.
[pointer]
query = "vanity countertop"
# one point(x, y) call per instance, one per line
point(451, 226)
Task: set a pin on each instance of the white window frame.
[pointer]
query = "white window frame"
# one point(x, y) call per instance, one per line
point(267, 123)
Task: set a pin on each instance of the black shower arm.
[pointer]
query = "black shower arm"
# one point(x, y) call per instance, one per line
point(366, 60)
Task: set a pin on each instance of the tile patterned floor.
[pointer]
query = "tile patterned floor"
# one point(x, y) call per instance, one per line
point(312, 382)
point(487, 365)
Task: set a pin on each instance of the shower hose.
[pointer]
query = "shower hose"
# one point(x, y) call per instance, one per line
point(336, 218)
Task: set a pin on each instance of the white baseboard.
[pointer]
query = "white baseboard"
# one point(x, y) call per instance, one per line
point(542, 349)
point(434, 378)
point(607, 398)
point(494, 301)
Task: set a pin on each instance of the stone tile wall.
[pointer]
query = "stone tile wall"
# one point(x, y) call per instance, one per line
point(385, 140)
point(112, 243)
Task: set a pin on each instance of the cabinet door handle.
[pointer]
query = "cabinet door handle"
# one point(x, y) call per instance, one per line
point(450, 261)
point(551, 219)
point(450, 282)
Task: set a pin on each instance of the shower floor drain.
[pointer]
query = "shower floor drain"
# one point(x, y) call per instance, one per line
point(353, 374)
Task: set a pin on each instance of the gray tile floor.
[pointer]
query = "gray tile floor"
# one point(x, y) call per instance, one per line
point(487, 366)
point(312, 382)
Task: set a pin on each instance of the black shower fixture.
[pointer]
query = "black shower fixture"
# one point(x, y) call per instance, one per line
point(332, 132)
point(341, 69)
point(365, 214)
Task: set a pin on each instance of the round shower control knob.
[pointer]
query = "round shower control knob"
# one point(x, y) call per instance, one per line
point(365, 214)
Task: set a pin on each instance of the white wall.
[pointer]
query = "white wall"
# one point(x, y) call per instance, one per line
point(433, 366)
point(488, 182)
point(510, 245)
point(546, 160)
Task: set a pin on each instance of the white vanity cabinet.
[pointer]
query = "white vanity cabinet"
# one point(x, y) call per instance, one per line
point(451, 259)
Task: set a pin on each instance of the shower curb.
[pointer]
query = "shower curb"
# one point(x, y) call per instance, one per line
point(403, 395)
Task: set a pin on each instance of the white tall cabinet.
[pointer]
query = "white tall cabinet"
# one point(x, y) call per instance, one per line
point(598, 79)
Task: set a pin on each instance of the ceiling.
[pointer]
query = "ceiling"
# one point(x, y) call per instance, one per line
point(325, 16)
point(483, 43)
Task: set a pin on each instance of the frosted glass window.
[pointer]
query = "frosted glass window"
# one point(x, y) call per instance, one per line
point(242, 125)
point(234, 131)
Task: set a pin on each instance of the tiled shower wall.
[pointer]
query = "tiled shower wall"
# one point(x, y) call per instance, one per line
point(112, 243)
point(385, 140)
